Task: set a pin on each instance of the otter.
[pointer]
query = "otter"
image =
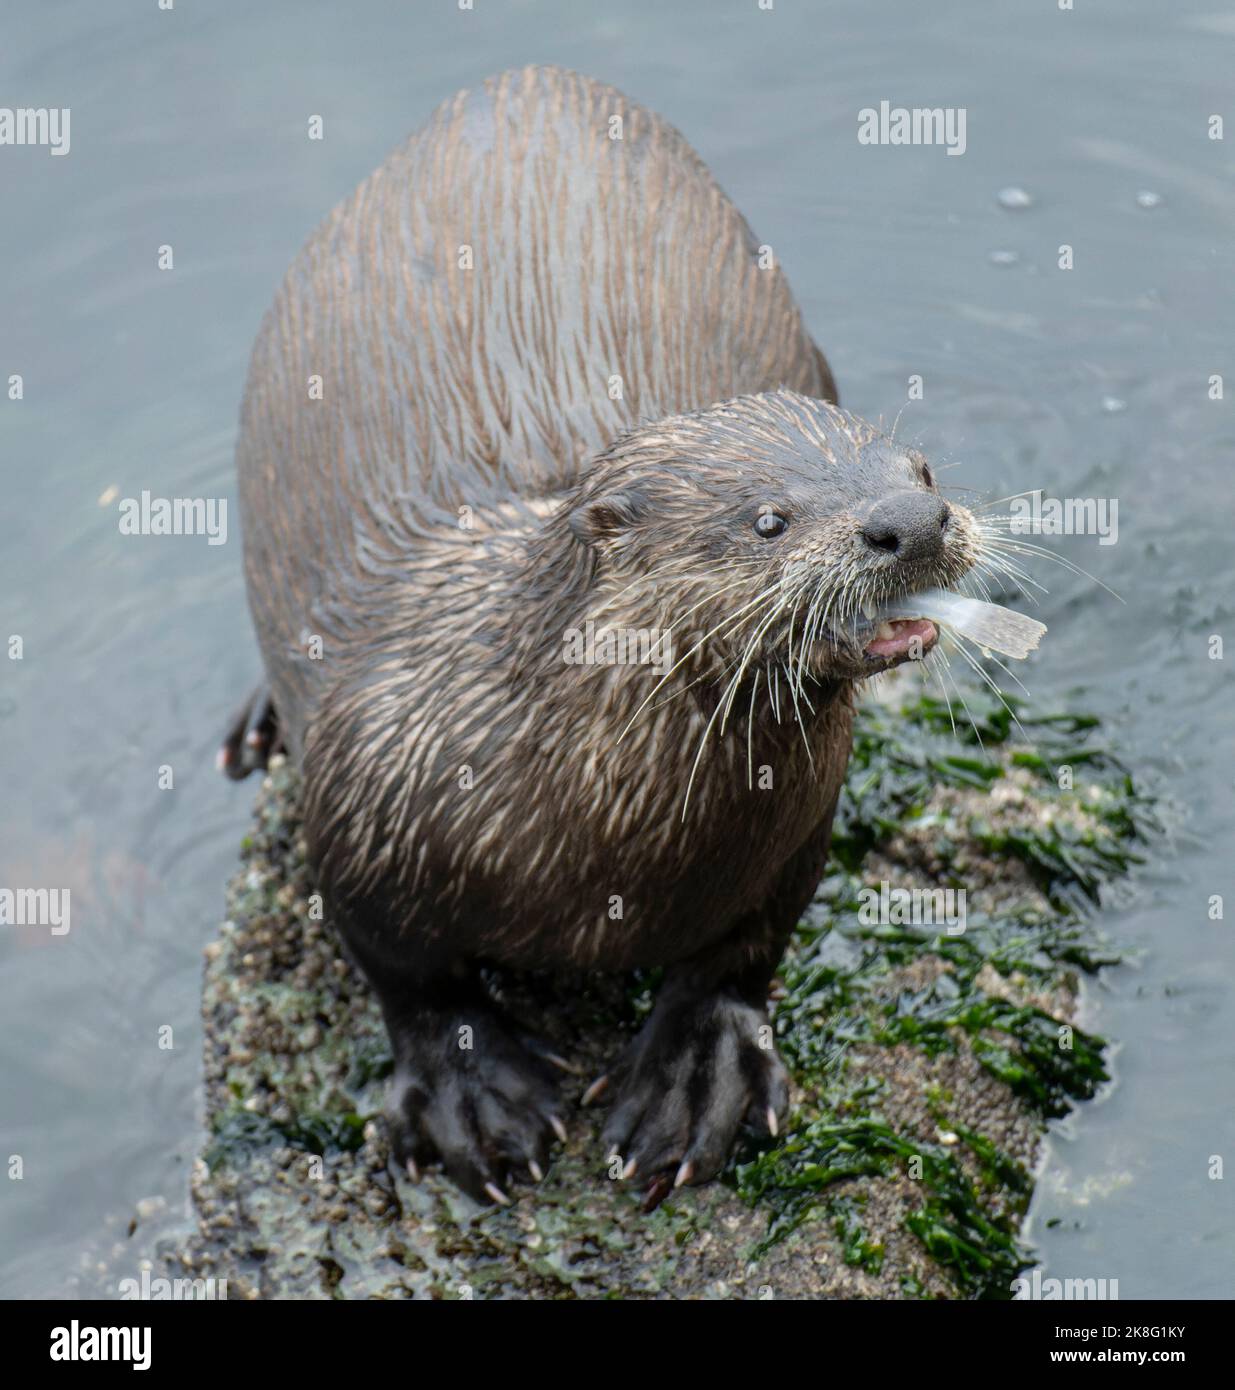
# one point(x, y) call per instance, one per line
point(537, 373)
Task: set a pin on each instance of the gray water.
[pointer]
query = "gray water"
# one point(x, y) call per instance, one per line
point(189, 130)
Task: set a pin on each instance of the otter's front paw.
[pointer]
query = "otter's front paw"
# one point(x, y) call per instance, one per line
point(695, 1072)
point(469, 1095)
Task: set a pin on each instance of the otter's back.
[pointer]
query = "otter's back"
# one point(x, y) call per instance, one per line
point(505, 294)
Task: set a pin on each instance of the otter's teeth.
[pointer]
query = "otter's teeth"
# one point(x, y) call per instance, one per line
point(868, 612)
point(883, 631)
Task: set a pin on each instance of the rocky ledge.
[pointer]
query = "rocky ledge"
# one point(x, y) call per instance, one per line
point(927, 1059)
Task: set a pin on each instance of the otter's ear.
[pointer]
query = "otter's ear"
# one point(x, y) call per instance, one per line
point(606, 517)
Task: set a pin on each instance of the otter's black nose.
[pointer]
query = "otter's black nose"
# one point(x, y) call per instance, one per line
point(908, 524)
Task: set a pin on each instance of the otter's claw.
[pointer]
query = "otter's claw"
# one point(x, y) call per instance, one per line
point(658, 1189)
point(595, 1090)
point(684, 1088)
point(486, 1112)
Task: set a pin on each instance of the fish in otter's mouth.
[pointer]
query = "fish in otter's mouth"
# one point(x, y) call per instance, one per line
point(909, 626)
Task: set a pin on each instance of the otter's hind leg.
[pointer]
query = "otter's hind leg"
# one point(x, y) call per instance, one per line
point(252, 736)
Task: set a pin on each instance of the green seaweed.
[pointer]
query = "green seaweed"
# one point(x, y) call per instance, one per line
point(901, 754)
point(981, 1249)
point(238, 1134)
point(835, 977)
point(983, 1253)
point(856, 1246)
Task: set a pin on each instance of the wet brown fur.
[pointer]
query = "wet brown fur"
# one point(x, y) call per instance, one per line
point(468, 489)
point(445, 387)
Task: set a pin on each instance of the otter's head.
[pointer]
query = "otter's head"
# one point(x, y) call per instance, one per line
point(764, 531)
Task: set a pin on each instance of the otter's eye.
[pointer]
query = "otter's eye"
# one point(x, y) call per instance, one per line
point(769, 524)
point(927, 476)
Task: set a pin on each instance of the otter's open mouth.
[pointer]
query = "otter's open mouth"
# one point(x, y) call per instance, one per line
point(907, 628)
point(896, 639)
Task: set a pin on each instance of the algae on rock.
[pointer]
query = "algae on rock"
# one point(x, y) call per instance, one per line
point(926, 1062)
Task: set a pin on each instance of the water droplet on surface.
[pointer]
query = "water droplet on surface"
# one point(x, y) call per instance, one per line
point(1014, 199)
